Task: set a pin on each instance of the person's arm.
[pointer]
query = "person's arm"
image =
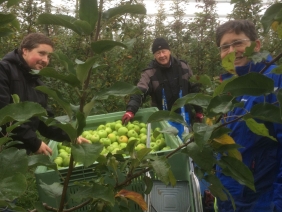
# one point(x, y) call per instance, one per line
point(136, 100)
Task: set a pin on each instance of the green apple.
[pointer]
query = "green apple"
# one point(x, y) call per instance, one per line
point(115, 144)
point(105, 141)
point(122, 139)
point(132, 133)
point(137, 128)
point(153, 139)
point(117, 126)
point(102, 133)
point(66, 161)
point(59, 145)
point(108, 130)
point(95, 138)
point(62, 150)
point(157, 129)
point(110, 148)
point(118, 121)
point(140, 146)
point(143, 130)
point(143, 139)
point(68, 150)
point(85, 133)
point(132, 139)
point(161, 143)
point(63, 155)
point(160, 136)
point(112, 137)
point(154, 146)
point(130, 126)
point(122, 145)
point(113, 125)
point(142, 125)
point(135, 122)
point(58, 161)
point(104, 151)
point(122, 131)
point(166, 148)
point(101, 127)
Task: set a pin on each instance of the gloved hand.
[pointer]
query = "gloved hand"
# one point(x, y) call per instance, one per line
point(127, 117)
point(199, 117)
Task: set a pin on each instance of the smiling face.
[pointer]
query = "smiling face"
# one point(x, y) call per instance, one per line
point(37, 58)
point(238, 43)
point(163, 57)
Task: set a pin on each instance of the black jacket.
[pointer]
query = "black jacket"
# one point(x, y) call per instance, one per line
point(171, 79)
point(15, 78)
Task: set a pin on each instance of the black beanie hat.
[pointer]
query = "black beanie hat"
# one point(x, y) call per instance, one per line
point(158, 44)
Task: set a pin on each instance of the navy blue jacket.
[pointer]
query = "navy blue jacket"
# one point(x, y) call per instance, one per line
point(262, 155)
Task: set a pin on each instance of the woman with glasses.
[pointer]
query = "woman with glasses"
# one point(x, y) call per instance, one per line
point(261, 154)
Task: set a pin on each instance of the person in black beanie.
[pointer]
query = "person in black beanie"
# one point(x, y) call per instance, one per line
point(163, 80)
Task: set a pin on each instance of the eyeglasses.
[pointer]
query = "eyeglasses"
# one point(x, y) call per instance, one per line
point(235, 44)
point(163, 51)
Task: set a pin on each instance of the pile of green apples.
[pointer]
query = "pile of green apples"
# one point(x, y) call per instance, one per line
point(63, 157)
point(115, 136)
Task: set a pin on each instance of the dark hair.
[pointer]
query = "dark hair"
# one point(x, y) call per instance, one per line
point(33, 40)
point(236, 26)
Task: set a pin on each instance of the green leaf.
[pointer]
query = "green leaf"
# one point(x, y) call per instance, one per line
point(20, 112)
point(70, 79)
point(6, 18)
point(237, 170)
point(13, 186)
point(67, 128)
point(220, 105)
point(218, 192)
point(203, 79)
point(140, 155)
point(86, 153)
point(249, 50)
point(5, 31)
point(202, 133)
point(41, 160)
point(118, 89)
point(228, 63)
point(16, 98)
point(219, 89)
point(15, 125)
point(60, 20)
point(199, 99)
point(83, 69)
point(224, 147)
point(148, 183)
point(162, 169)
point(277, 70)
point(65, 61)
point(88, 11)
point(266, 112)
point(102, 46)
point(164, 115)
point(250, 84)
point(4, 140)
point(219, 132)
point(260, 56)
point(57, 97)
point(270, 16)
point(203, 157)
point(83, 26)
point(257, 128)
point(120, 10)
point(81, 122)
point(96, 191)
point(88, 107)
point(12, 161)
point(54, 190)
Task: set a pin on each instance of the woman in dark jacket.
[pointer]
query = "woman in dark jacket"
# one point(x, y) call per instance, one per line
point(15, 78)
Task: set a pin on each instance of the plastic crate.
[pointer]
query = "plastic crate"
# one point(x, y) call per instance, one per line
point(179, 164)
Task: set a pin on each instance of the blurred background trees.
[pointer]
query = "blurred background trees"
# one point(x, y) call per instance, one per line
point(191, 39)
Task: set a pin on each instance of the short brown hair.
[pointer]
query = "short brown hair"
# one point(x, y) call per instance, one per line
point(33, 40)
point(236, 26)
